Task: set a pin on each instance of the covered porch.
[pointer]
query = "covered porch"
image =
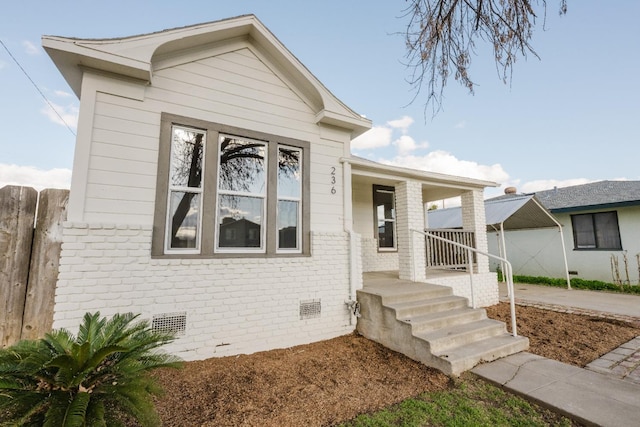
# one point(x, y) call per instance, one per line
point(389, 214)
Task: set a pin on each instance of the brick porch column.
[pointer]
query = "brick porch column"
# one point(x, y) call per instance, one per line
point(474, 219)
point(411, 246)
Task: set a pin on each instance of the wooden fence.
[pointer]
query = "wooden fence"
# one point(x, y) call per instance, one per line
point(30, 243)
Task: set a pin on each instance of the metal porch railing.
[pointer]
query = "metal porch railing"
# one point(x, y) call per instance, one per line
point(471, 252)
point(441, 254)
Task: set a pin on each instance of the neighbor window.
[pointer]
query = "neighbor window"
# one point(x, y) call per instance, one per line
point(384, 212)
point(229, 191)
point(596, 231)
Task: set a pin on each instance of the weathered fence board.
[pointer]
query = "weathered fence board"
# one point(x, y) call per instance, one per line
point(45, 259)
point(17, 215)
point(29, 260)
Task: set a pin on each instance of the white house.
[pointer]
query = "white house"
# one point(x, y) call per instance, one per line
point(214, 192)
point(601, 223)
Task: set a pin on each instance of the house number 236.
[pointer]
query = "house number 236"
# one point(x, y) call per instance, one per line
point(333, 179)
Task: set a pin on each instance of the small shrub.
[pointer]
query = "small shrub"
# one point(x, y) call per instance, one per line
point(97, 378)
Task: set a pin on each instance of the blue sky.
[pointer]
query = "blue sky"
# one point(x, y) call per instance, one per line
point(571, 117)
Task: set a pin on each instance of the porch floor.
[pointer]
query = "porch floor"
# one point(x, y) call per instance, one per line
point(392, 278)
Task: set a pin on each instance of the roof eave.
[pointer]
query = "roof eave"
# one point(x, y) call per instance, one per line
point(368, 165)
point(624, 204)
point(70, 58)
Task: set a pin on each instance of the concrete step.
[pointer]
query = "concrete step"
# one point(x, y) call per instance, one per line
point(465, 357)
point(432, 321)
point(429, 324)
point(405, 292)
point(417, 307)
point(454, 336)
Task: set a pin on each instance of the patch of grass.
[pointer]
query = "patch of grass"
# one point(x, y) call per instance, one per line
point(468, 402)
point(577, 283)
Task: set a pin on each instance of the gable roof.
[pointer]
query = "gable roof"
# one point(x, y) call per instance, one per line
point(134, 57)
point(595, 195)
point(516, 212)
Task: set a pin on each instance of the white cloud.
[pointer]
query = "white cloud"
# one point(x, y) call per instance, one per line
point(68, 113)
point(30, 48)
point(461, 125)
point(376, 137)
point(30, 176)
point(406, 144)
point(62, 94)
point(402, 123)
point(444, 162)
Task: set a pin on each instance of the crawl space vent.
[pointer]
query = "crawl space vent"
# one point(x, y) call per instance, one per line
point(170, 322)
point(310, 309)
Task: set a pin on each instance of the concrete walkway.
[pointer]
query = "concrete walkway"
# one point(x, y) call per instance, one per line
point(606, 392)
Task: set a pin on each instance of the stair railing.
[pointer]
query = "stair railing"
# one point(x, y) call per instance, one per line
point(508, 271)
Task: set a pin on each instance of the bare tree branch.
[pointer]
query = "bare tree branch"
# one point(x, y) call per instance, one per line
point(441, 38)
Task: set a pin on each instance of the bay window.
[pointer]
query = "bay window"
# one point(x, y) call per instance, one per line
point(225, 191)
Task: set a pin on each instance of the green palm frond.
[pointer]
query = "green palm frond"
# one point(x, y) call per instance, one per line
point(63, 380)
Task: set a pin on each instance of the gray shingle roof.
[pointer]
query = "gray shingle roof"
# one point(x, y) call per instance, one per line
point(591, 196)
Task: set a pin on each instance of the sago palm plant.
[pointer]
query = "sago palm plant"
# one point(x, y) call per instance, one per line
point(98, 378)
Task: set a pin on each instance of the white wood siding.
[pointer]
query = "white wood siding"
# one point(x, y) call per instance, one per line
point(235, 88)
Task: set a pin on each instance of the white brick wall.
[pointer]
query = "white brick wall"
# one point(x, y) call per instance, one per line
point(374, 260)
point(410, 216)
point(233, 305)
point(474, 218)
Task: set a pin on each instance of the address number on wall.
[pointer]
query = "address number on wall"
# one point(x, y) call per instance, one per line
point(332, 179)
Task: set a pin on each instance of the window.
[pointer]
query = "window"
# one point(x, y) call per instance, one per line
point(596, 231)
point(224, 191)
point(384, 212)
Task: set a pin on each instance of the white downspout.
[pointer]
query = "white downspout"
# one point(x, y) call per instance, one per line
point(351, 302)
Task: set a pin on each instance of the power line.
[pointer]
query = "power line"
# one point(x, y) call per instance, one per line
point(37, 88)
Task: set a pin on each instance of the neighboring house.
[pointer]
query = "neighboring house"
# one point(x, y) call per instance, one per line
point(214, 192)
point(600, 223)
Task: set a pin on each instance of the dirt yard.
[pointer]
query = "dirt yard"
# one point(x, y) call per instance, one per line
point(328, 382)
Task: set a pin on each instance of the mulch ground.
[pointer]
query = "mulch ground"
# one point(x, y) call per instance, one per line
point(324, 383)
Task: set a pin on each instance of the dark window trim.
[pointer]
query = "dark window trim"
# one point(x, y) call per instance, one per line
point(209, 196)
point(597, 248)
point(375, 219)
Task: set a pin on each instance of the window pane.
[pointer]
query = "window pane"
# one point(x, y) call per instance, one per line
point(385, 234)
point(607, 233)
point(384, 205)
point(185, 220)
point(289, 172)
point(240, 222)
point(287, 224)
point(242, 165)
point(186, 157)
point(583, 231)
